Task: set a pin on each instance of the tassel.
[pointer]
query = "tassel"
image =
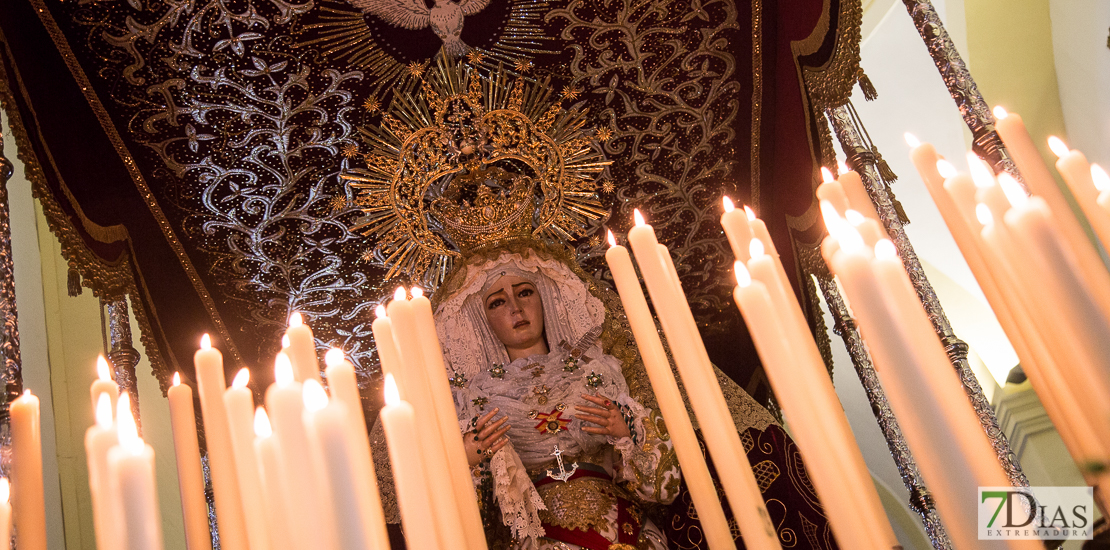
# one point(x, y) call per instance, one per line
point(885, 171)
point(867, 87)
point(73, 282)
point(898, 209)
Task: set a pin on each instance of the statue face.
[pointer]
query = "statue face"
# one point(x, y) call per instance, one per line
point(515, 313)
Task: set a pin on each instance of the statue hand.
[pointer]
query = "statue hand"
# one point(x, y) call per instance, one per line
point(607, 416)
point(486, 439)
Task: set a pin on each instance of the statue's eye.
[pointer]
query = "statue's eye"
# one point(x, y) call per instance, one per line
point(525, 292)
point(495, 303)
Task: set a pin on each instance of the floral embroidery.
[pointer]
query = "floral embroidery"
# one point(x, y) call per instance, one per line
point(459, 380)
point(593, 380)
point(497, 371)
point(480, 402)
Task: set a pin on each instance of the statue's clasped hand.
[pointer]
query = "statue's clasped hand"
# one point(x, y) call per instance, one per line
point(486, 439)
point(607, 416)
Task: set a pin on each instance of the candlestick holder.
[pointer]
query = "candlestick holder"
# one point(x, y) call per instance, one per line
point(845, 327)
point(123, 354)
point(852, 143)
point(973, 108)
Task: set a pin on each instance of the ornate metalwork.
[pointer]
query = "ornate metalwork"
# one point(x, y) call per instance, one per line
point(974, 109)
point(123, 355)
point(844, 326)
point(12, 373)
point(852, 143)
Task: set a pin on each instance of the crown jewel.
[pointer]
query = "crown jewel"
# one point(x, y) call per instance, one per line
point(464, 160)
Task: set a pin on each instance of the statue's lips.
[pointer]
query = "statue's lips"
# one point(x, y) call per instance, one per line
point(521, 324)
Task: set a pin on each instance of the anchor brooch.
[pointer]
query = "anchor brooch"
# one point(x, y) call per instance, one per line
point(563, 474)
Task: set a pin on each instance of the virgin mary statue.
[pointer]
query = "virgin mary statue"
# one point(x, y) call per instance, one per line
point(475, 195)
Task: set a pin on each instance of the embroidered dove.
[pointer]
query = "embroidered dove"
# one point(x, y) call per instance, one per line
point(445, 17)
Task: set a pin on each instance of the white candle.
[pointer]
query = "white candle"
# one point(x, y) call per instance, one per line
point(209, 365)
point(858, 197)
point(274, 480)
point(190, 474)
point(302, 350)
point(416, 390)
point(413, 496)
point(447, 419)
point(329, 431)
point(28, 504)
point(735, 224)
point(239, 402)
point(131, 474)
point(99, 439)
point(5, 511)
point(1077, 173)
point(309, 525)
point(690, 459)
point(704, 392)
point(344, 388)
point(103, 382)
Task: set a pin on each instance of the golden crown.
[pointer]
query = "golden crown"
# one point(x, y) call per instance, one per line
point(463, 159)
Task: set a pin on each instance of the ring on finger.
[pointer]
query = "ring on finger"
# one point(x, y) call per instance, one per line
point(489, 452)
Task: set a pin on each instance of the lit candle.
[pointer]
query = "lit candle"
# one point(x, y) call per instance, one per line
point(99, 439)
point(239, 402)
point(417, 391)
point(1040, 183)
point(830, 190)
point(190, 475)
point(103, 382)
point(310, 527)
point(703, 391)
point(937, 420)
point(857, 195)
point(5, 511)
point(209, 366)
point(694, 470)
point(28, 505)
point(388, 355)
point(302, 349)
point(329, 431)
point(131, 475)
point(1077, 173)
point(1102, 183)
point(344, 389)
point(398, 422)
point(801, 382)
point(735, 224)
point(274, 481)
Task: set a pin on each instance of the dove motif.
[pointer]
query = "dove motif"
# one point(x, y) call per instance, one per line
point(445, 17)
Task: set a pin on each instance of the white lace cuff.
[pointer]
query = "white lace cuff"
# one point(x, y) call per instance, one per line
point(513, 489)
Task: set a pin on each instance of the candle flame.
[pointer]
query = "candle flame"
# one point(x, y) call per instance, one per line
point(262, 426)
point(206, 341)
point(1013, 190)
point(1000, 112)
point(295, 320)
point(612, 239)
point(980, 172)
point(743, 276)
point(333, 357)
point(826, 175)
point(1059, 148)
point(127, 431)
point(729, 205)
point(842, 167)
point(885, 249)
point(749, 212)
point(416, 292)
point(177, 378)
point(102, 370)
point(850, 239)
point(399, 294)
point(5, 490)
point(315, 398)
point(912, 140)
point(392, 396)
point(946, 169)
point(984, 215)
point(854, 217)
point(1101, 178)
point(755, 248)
point(242, 378)
point(104, 411)
point(637, 217)
point(285, 342)
point(380, 312)
point(26, 393)
point(831, 216)
point(283, 369)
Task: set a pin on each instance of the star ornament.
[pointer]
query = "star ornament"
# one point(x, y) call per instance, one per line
point(552, 422)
